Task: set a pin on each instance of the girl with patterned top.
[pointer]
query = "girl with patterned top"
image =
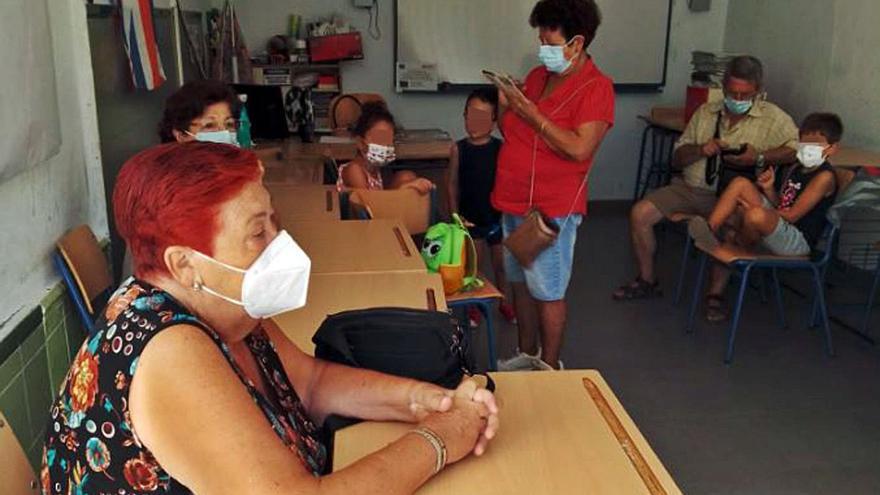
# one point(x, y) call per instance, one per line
point(374, 133)
point(185, 386)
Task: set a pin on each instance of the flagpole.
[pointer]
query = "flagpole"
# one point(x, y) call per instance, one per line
point(176, 19)
point(234, 48)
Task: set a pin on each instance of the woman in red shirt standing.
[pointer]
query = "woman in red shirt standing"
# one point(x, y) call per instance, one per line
point(552, 130)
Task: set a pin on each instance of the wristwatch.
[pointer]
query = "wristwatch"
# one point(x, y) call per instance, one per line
point(759, 161)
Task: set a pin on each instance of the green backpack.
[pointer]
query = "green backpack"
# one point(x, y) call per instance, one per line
point(449, 250)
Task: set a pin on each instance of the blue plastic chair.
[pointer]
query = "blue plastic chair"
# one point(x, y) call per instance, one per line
point(86, 274)
point(744, 264)
point(872, 296)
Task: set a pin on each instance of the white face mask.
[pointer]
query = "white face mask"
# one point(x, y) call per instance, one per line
point(379, 155)
point(811, 155)
point(276, 282)
point(221, 137)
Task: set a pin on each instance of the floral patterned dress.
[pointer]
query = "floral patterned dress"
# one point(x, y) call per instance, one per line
point(91, 446)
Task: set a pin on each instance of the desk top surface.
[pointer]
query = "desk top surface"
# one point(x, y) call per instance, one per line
point(356, 246)
point(294, 202)
point(561, 432)
point(333, 293)
point(415, 149)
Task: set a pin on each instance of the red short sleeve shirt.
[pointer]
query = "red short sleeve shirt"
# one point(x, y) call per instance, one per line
point(586, 96)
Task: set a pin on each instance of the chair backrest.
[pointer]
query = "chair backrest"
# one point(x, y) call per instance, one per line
point(844, 177)
point(16, 475)
point(345, 109)
point(414, 210)
point(86, 262)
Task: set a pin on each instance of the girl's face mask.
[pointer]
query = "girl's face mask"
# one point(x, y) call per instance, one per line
point(379, 155)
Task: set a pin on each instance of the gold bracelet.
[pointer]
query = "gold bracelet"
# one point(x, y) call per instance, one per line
point(436, 442)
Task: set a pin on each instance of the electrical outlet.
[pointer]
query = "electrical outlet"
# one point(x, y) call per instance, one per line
point(363, 4)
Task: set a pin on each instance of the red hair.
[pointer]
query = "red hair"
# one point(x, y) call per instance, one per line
point(169, 195)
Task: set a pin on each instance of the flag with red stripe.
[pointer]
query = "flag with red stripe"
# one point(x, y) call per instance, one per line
point(139, 37)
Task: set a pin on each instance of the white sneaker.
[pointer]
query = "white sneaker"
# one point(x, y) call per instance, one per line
point(520, 362)
point(540, 365)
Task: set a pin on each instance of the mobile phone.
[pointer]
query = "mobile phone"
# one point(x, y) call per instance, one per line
point(733, 151)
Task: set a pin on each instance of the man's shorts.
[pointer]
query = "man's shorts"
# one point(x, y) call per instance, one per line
point(679, 197)
point(548, 277)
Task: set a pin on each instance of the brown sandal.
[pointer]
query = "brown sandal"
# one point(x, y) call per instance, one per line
point(716, 308)
point(638, 289)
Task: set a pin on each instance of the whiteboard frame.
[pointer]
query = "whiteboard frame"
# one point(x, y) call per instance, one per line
point(447, 87)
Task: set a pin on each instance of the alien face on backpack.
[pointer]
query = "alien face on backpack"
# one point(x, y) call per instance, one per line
point(437, 246)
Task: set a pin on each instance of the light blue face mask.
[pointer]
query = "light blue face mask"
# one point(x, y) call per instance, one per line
point(221, 137)
point(737, 107)
point(553, 57)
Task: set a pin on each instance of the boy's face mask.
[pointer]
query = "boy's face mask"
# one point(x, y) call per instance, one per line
point(811, 155)
point(478, 123)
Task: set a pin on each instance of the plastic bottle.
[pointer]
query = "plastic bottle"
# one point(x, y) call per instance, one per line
point(244, 125)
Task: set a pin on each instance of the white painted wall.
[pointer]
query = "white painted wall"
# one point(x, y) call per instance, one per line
point(39, 205)
point(615, 167)
point(818, 55)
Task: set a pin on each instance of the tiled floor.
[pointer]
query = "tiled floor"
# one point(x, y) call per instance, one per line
point(782, 419)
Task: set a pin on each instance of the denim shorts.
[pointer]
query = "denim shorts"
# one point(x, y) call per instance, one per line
point(786, 239)
point(548, 277)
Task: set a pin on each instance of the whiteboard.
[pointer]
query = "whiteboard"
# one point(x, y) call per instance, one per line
point(462, 37)
point(31, 131)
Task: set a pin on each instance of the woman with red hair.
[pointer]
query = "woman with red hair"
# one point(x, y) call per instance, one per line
point(185, 388)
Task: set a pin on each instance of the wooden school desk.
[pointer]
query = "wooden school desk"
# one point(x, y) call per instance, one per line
point(412, 146)
point(332, 293)
point(357, 246)
point(663, 127)
point(293, 203)
point(301, 171)
point(854, 157)
point(561, 432)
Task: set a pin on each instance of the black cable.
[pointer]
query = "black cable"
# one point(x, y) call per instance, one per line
point(373, 29)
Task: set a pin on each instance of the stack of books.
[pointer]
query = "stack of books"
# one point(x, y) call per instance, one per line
point(708, 67)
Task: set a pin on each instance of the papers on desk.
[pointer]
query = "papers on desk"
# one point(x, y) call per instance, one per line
point(336, 140)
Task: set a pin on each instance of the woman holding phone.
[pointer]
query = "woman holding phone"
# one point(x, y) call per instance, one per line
point(553, 125)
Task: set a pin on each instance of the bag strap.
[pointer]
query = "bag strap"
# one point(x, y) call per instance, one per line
point(535, 157)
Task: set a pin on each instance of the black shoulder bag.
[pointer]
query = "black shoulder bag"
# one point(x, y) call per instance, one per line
point(716, 170)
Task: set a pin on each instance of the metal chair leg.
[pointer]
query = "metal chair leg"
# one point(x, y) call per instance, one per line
point(737, 311)
point(871, 298)
point(682, 271)
point(780, 307)
point(641, 165)
point(814, 308)
point(823, 310)
point(486, 309)
point(698, 290)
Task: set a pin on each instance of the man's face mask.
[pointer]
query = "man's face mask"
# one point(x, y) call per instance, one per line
point(478, 123)
point(276, 282)
point(379, 155)
point(737, 107)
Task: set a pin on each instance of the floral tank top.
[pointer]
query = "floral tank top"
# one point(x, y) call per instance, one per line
point(374, 181)
point(91, 446)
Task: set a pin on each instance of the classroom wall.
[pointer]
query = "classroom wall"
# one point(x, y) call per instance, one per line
point(818, 55)
point(40, 204)
point(615, 167)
